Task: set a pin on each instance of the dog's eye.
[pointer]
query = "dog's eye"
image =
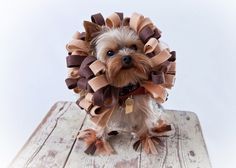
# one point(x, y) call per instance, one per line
point(110, 53)
point(133, 47)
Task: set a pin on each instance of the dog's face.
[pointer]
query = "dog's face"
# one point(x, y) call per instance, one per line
point(122, 52)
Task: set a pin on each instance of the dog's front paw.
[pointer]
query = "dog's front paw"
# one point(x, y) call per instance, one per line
point(95, 145)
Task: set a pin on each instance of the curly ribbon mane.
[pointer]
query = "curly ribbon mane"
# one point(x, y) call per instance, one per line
point(87, 74)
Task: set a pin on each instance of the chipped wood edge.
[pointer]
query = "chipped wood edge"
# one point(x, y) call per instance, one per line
point(200, 130)
point(200, 127)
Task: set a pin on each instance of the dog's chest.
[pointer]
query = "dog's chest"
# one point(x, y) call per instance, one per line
point(120, 120)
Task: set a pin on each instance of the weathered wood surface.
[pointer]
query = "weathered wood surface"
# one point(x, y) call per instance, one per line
point(54, 144)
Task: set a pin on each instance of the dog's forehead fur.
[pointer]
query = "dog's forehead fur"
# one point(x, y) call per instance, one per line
point(116, 37)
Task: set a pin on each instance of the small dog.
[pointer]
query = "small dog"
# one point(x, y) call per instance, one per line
point(134, 111)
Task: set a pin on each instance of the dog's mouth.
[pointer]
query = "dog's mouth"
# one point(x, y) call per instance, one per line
point(128, 88)
point(124, 67)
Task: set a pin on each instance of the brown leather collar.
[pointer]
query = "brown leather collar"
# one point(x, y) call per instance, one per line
point(130, 90)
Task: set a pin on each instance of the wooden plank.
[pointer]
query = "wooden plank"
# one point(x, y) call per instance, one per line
point(38, 137)
point(57, 147)
point(51, 143)
point(54, 144)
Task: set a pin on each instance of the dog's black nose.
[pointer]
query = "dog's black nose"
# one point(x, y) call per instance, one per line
point(127, 60)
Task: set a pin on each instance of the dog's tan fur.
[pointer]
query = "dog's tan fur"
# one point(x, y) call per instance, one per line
point(120, 40)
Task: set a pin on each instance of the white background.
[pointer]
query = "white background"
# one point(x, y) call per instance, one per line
point(33, 35)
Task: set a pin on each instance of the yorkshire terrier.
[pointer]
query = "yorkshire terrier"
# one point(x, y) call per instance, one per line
point(121, 50)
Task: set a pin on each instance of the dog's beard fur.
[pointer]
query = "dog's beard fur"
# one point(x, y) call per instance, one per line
point(122, 41)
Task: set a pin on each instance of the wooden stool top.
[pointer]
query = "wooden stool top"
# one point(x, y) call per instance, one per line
point(54, 144)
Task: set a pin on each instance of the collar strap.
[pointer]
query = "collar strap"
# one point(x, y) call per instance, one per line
point(138, 91)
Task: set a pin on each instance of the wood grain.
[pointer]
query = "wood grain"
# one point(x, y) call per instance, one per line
point(54, 144)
